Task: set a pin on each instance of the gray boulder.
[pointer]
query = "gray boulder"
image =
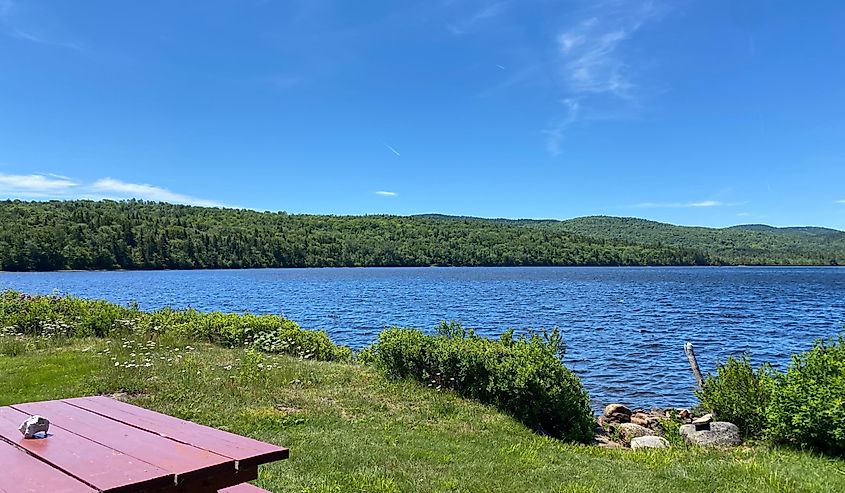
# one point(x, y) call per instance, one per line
point(720, 434)
point(649, 442)
point(629, 431)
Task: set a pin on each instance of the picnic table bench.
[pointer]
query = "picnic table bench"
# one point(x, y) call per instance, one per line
point(101, 445)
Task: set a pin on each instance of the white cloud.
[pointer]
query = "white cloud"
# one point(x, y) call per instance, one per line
point(11, 28)
point(591, 66)
point(52, 186)
point(35, 185)
point(111, 188)
point(555, 134)
point(53, 175)
point(697, 204)
point(840, 201)
point(382, 193)
point(706, 203)
point(590, 57)
point(570, 40)
point(485, 13)
point(394, 151)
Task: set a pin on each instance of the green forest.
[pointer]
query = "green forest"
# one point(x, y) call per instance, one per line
point(85, 235)
point(751, 244)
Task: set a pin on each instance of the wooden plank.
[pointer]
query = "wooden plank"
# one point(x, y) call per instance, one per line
point(243, 488)
point(185, 461)
point(215, 484)
point(246, 451)
point(100, 467)
point(23, 473)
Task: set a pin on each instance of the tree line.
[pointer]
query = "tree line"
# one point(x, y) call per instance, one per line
point(88, 235)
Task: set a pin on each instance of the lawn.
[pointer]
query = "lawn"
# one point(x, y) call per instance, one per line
point(351, 430)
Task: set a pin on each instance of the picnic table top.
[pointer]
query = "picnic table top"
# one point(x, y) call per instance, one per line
point(98, 444)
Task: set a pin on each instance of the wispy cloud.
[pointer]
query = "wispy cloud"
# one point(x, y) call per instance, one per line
point(35, 185)
point(589, 53)
point(111, 188)
point(394, 151)
point(53, 175)
point(52, 186)
point(478, 17)
point(13, 29)
point(840, 201)
point(555, 133)
point(591, 64)
point(383, 193)
point(696, 204)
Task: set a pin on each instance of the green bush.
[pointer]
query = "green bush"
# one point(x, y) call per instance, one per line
point(68, 316)
point(740, 394)
point(523, 377)
point(62, 315)
point(671, 428)
point(808, 405)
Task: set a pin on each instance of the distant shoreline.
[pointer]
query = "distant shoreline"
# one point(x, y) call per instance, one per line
point(766, 266)
point(134, 235)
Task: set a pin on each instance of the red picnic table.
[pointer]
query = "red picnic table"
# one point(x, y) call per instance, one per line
point(98, 444)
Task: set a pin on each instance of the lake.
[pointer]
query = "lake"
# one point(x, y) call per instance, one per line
point(624, 327)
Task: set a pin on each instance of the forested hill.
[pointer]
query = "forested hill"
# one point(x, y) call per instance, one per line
point(146, 235)
point(752, 244)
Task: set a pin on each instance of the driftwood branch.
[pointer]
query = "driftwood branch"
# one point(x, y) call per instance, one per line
point(693, 363)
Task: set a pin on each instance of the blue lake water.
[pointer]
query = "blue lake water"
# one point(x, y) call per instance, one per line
point(625, 327)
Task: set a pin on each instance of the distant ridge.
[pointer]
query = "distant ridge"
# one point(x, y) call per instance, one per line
point(84, 234)
point(744, 244)
point(751, 244)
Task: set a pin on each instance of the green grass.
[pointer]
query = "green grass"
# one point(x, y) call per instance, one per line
point(351, 430)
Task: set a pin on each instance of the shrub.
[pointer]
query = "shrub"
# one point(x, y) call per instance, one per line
point(523, 377)
point(68, 316)
point(57, 315)
point(671, 428)
point(808, 405)
point(291, 339)
point(740, 394)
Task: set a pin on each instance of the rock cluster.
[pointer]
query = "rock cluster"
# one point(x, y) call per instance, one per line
point(619, 426)
point(718, 434)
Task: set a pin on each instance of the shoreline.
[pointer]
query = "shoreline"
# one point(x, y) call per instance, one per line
point(403, 267)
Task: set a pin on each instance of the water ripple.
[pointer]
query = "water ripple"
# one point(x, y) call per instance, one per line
point(624, 327)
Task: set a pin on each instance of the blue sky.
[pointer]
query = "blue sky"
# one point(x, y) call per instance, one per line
point(692, 112)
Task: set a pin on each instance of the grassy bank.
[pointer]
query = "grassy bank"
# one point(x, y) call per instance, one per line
point(349, 429)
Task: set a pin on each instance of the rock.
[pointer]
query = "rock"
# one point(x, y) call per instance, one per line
point(617, 413)
point(720, 434)
point(605, 442)
point(629, 431)
point(702, 423)
point(34, 425)
point(612, 409)
point(650, 441)
point(644, 419)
